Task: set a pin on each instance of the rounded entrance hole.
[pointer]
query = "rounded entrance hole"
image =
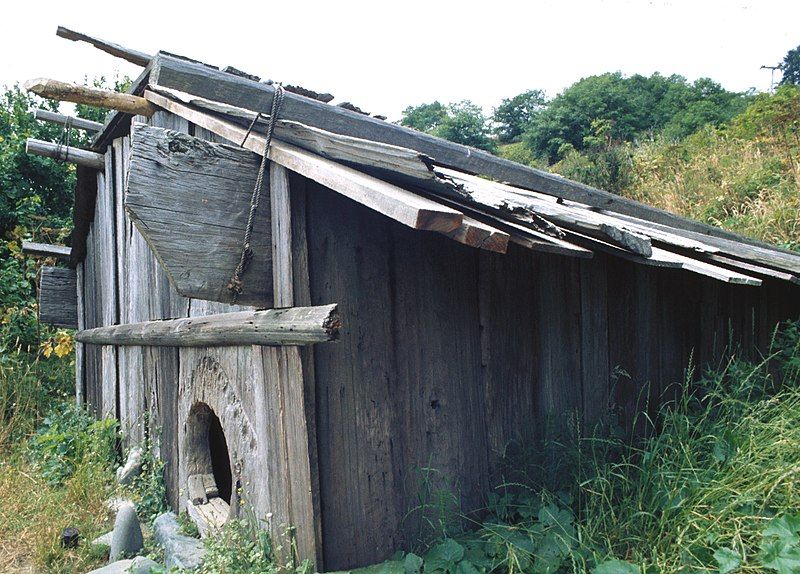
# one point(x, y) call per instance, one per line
point(207, 450)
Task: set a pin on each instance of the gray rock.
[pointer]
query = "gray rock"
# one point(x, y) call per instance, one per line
point(138, 565)
point(127, 537)
point(103, 539)
point(180, 551)
point(132, 467)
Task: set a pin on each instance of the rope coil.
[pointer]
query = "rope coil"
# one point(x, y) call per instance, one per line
point(62, 145)
point(236, 283)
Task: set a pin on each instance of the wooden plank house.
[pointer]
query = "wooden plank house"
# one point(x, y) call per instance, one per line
point(476, 302)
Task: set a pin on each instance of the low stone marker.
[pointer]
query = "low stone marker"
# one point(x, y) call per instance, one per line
point(127, 537)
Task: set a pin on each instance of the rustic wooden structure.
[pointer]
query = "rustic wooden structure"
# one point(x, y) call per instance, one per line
point(475, 313)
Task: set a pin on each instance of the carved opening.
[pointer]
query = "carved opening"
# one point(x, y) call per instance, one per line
point(207, 456)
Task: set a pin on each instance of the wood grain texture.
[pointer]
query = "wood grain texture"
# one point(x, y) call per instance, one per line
point(58, 297)
point(289, 326)
point(390, 200)
point(167, 170)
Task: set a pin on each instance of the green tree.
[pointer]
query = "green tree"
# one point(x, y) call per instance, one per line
point(466, 124)
point(636, 107)
point(791, 67)
point(514, 115)
point(424, 117)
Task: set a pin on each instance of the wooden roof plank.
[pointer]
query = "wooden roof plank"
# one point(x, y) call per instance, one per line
point(132, 56)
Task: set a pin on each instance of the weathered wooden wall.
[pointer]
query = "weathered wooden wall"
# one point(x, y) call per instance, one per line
point(151, 389)
point(448, 355)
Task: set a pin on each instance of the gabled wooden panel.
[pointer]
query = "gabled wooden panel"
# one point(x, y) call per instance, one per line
point(190, 199)
point(58, 297)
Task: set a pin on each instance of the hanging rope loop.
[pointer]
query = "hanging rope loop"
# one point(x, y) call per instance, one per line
point(236, 283)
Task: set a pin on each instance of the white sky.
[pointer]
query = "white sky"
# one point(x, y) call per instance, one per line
point(383, 56)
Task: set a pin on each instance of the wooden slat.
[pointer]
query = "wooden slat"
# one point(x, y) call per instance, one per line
point(292, 326)
point(751, 268)
point(709, 270)
point(58, 297)
point(190, 199)
point(65, 153)
point(480, 235)
point(390, 200)
point(133, 56)
point(46, 250)
point(61, 119)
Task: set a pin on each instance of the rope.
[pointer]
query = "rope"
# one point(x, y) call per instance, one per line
point(236, 284)
point(62, 146)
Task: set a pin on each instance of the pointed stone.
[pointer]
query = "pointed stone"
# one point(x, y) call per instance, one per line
point(127, 539)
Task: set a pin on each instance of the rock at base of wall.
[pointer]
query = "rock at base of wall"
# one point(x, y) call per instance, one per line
point(138, 565)
point(132, 467)
point(180, 551)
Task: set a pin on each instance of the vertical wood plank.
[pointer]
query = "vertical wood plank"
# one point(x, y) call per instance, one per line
point(298, 466)
point(594, 340)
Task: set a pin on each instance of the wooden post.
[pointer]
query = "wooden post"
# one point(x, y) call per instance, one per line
point(276, 327)
point(65, 153)
point(61, 119)
point(66, 92)
point(46, 250)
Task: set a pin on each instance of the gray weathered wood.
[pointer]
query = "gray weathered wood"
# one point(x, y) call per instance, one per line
point(751, 268)
point(170, 72)
point(65, 153)
point(390, 200)
point(290, 326)
point(66, 92)
point(72, 121)
point(80, 368)
point(46, 250)
point(133, 56)
point(58, 297)
point(190, 199)
point(528, 209)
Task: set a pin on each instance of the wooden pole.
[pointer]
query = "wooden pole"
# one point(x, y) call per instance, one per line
point(66, 92)
point(46, 250)
point(64, 153)
point(61, 119)
point(273, 327)
point(132, 56)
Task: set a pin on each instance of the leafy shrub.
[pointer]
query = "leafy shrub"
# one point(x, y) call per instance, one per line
point(69, 437)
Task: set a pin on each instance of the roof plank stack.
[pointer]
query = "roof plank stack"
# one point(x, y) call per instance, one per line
point(432, 184)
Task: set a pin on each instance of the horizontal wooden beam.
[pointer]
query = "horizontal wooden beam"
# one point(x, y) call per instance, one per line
point(65, 153)
point(274, 327)
point(399, 204)
point(58, 297)
point(73, 122)
point(46, 250)
point(66, 92)
point(132, 56)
